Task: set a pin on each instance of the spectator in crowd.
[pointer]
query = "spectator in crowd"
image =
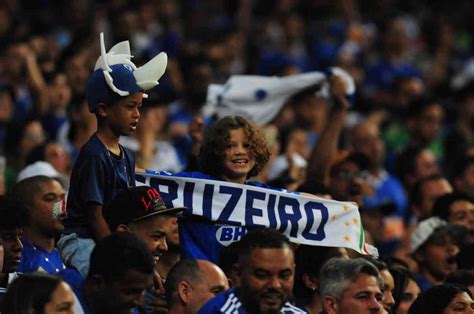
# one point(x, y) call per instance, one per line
point(462, 277)
point(104, 168)
point(434, 247)
point(350, 286)
point(142, 212)
point(388, 286)
point(191, 283)
point(121, 268)
point(266, 268)
point(415, 163)
point(463, 177)
point(38, 293)
point(43, 201)
point(11, 229)
point(424, 194)
point(444, 298)
point(406, 290)
point(309, 261)
point(456, 209)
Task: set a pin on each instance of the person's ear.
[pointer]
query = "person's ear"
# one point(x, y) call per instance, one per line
point(330, 305)
point(310, 282)
point(122, 228)
point(185, 292)
point(102, 110)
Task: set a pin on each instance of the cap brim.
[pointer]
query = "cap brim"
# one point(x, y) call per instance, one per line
point(166, 212)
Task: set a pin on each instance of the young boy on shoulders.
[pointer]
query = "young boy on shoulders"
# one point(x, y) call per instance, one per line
point(104, 168)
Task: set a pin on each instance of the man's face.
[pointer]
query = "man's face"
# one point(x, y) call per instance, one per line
point(12, 249)
point(346, 182)
point(461, 212)
point(431, 191)
point(42, 215)
point(120, 295)
point(388, 286)
point(266, 278)
point(213, 281)
point(363, 295)
point(437, 257)
point(153, 231)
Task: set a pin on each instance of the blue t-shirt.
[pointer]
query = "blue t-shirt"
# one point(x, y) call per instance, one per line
point(228, 302)
point(97, 177)
point(201, 238)
point(34, 258)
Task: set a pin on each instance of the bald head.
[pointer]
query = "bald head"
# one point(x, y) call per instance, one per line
point(365, 139)
point(191, 283)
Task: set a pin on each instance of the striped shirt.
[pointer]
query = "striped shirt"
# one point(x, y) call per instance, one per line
point(229, 303)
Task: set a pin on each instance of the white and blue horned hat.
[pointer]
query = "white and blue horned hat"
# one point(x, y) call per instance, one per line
point(115, 75)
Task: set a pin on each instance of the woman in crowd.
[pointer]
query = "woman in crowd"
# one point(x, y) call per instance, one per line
point(444, 299)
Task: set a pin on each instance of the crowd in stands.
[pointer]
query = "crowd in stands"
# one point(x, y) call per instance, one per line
point(81, 122)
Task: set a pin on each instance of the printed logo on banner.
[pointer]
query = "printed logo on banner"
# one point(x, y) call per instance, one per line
point(225, 235)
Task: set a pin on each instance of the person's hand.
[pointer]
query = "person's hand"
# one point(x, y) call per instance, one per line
point(338, 92)
point(157, 300)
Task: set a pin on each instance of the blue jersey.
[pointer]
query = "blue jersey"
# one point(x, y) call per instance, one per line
point(34, 258)
point(228, 302)
point(97, 177)
point(204, 239)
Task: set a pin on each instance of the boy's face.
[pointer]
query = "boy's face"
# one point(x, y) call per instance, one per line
point(123, 116)
point(12, 249)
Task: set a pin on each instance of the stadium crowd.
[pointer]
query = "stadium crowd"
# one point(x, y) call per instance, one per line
point(83, 125)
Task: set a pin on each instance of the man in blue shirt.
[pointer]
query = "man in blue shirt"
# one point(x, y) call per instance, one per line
point(121, 268)
point(43, 201)
point(267, 266)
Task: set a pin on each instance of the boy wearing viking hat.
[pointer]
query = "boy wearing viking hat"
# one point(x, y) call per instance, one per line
point(104, 168)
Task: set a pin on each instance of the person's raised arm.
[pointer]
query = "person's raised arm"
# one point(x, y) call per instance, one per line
point(326, 147)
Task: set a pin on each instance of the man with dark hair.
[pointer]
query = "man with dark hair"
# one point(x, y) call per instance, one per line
point(434, 247)
point(350, 286)
point(141, 211)
point(463, 176)
point(121, 268)
point(456, 209)
point(266, 269)
point(425, 192)
point(11, 232)
point(191, 283)
point(43, 201)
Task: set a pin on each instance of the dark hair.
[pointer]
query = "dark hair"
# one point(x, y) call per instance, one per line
point(24, 191)
point(416, 196)
point(401, 279)
point(405, 163)
point(118, 253)
point(441, 207)
point(465, 258)
point(262, 238)
point(309, 260)
point(184, 270)
point(216, 138)
point(462, 165)
point(436, 299)
point(29, 292)
point(12, 213)
point(461, 277)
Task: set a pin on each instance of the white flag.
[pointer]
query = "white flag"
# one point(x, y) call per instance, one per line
point(260, 98)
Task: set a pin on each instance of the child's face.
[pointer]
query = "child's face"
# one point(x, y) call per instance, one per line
point(123, 116)
point(238, 160)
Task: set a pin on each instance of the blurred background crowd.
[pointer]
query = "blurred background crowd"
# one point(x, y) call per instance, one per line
point(407, 139)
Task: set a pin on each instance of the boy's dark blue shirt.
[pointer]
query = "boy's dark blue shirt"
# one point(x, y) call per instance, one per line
point(97, 177)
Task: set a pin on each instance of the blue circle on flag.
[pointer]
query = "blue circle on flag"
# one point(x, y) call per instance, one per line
point(260, 94)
